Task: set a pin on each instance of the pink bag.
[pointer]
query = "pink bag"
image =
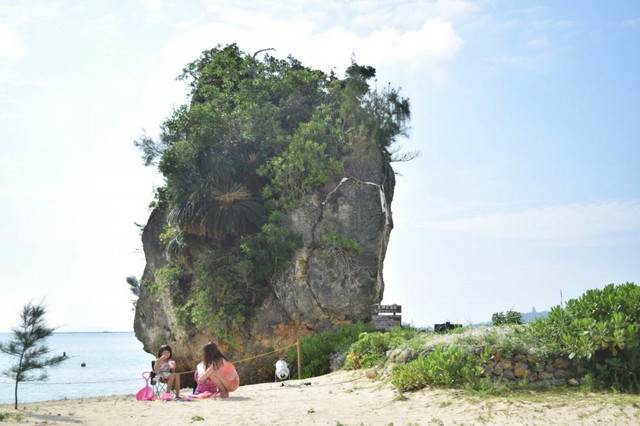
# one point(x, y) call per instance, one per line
point(146, 393)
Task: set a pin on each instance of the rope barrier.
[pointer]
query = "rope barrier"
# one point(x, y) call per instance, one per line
point(267, 353)
point(68, 383)
point(130, 380)
point(249, 358)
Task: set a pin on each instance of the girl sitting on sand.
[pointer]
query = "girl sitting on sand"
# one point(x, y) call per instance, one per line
point(217, 368)
point(165, 369)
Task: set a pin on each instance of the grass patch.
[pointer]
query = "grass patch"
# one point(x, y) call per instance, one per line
point(11, 416)
point(400, 397)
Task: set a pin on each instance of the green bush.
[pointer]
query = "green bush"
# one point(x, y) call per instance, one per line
point(603, 327)
point(412, 376)
point(303, 166)
point(445, 366)
point(507, 318)
point(222, 294)
point(316, 350)
point(334, 239)
point(270, 249)
point(166, 278)
point(370, 348)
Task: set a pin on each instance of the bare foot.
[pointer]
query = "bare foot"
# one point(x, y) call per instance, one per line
point(221, 394)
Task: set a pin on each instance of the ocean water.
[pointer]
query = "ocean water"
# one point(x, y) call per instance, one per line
point(113, 362)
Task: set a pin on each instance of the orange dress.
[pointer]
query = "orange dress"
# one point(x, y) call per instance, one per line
point(227, 372)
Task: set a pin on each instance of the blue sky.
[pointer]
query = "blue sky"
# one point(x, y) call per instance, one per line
point(525, 114)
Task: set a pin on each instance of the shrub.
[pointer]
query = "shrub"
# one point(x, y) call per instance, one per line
point(370, 348)
point(601, 326)
point(412, 376)
point(221, 297)
point(334, 239)
point(316, 350)
point(445, 366)
point(508, 318)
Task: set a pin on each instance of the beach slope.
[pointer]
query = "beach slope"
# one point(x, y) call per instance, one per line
point(344, 397)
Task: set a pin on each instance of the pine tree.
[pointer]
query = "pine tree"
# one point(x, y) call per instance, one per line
point(28, 345)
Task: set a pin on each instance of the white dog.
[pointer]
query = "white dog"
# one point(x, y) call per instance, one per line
point(282, 370)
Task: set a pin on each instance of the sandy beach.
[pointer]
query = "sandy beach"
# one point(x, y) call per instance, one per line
point(344, 397)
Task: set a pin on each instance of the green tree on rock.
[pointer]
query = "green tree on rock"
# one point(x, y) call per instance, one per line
point(28, 345)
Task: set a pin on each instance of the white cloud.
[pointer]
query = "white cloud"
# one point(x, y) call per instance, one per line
point(10, 45)
point(109, 24)
point(539, 42)
point(607, 223)
point(529, 40)
point(431, 46)
point(531, 11)
point(631, 23)
point(436, 41)
point(565, 24)
point(7, 117)
point(513, 62)
point(153, 4)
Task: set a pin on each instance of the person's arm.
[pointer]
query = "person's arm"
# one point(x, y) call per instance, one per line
point(203, 378)
point(200, 370)
point(159, 363)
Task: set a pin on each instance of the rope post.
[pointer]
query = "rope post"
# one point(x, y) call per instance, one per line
point(299, 360)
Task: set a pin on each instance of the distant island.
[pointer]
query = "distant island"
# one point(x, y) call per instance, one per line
point(531, 316)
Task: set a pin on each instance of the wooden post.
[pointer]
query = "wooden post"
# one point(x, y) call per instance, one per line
point(299, 360)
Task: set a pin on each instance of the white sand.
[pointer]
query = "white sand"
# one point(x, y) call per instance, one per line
point(347, 398)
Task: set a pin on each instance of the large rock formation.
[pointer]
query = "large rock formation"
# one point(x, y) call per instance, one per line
point(275, 215)
point(326, 285)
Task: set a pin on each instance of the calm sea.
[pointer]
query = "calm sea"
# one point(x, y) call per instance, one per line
point(113, 362)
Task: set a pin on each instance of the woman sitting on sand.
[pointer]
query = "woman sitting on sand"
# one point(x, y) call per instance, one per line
point(165, 369)
point(217, 368)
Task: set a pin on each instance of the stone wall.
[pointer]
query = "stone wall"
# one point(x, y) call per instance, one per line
point(547, 372)
point(553, 371)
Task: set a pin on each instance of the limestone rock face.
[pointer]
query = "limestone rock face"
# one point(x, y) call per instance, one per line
point(327, 285)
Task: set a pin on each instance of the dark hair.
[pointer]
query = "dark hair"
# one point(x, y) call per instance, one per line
point(211, 355)
point(165, 348)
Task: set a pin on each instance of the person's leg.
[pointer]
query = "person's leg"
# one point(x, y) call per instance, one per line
point(170, 380)
point(223, 392)
point(174, 379)
point(177, 382)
